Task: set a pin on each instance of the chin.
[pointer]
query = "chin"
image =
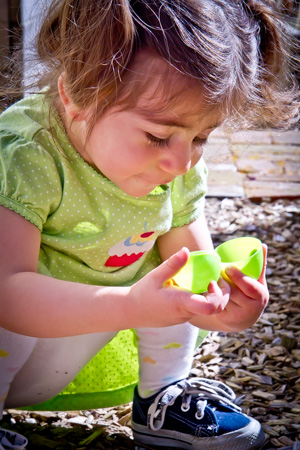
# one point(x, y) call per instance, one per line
point(138, 191)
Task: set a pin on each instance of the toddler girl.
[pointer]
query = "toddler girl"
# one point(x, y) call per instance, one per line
point(102, 193)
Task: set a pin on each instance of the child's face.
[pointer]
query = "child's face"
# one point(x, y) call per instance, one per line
point(146, 146)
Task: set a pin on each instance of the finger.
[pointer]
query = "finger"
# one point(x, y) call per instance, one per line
point(262, 278)
point(250, 287)
point(170, 267)
point(224, 286)
point(197, 304)
point(219, 294)
point(220, 289)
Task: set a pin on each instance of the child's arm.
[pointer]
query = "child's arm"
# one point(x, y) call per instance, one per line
point(194, 236)
point(248, 297)
point(38, 305)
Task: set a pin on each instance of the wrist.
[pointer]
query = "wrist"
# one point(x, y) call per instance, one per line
point(112, 309)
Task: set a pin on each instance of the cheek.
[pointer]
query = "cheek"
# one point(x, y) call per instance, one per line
point(137, 155)
point(122, 161)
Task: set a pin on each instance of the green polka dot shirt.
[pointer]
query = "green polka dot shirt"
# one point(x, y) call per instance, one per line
point(91, 231)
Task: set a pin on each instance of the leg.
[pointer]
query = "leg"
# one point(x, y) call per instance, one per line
point(186, 413)
point(15, 350)
point(33, 370)
point(160, 351)
point(53, 364)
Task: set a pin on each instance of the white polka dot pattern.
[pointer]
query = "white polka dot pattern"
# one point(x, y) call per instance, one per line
point(92, 232)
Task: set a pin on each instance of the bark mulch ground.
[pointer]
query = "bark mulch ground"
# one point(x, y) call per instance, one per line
point(261, 364)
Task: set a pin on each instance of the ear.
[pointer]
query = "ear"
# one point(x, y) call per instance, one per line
point(72, 111)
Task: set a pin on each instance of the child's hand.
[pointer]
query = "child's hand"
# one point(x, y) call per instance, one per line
point(248, 299)
point(159, 304)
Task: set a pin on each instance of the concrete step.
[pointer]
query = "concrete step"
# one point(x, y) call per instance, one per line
point(254, 164)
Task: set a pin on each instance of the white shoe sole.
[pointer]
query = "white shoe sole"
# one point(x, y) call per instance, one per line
point(249, 437)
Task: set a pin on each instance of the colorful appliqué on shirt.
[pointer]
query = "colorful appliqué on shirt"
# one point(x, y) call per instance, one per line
point(131, 249)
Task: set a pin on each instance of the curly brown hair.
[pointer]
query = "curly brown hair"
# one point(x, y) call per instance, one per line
point(236, 50)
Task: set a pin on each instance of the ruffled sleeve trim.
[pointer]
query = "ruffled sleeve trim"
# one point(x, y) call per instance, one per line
point(22, 210)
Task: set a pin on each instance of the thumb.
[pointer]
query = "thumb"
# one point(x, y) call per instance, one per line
point(170, 267)
point(262, 278)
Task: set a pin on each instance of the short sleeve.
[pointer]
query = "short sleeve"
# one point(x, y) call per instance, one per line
point(29, 180)
point(188, 195)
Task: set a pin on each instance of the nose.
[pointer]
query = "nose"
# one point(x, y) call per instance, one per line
point(177, 161)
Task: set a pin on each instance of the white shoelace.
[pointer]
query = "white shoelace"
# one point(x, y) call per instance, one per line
point(201, 388)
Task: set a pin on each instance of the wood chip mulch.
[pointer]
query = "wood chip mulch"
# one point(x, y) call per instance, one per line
point(261, 364)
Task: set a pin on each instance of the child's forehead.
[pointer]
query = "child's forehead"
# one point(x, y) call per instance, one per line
point(177, 104)
point(163, 91)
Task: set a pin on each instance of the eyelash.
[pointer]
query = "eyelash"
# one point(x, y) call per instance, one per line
point(158, 142)
point(200, 141)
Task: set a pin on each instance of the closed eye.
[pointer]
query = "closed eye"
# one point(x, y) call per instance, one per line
point(157, 142)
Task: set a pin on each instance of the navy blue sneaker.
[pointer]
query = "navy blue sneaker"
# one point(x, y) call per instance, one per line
point(194, 414)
